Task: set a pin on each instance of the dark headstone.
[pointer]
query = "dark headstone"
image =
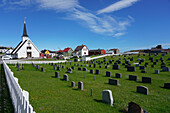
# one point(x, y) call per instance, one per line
point(42, 69)
point(79, 68)
point(108, 73)
point(141, 67)
point(57, 74)
point(142, 89)
point(143, 71)
point(72, 67)
point(156, 71)
point(100, 66)
point(80, 85)
point(105, 67)
point(118, 75)
point(130, 68)
point(115, 66)
point(97, 72)
point(167, 85)
point(133, 77)
point(134, 108)
point(146, 80)
point(65, 77)
point(84, 69)
point(165, 69)
point(72, 84)
point(69, 70)
point(58, 68)
point(113, 81)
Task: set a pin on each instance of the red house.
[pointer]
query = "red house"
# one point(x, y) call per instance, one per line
point(97, 52)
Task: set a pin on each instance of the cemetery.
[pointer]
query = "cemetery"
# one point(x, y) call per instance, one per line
point(106, 84)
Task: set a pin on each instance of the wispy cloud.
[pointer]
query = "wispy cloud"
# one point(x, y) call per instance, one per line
point(2, 2)
point(101, 24)
point(117, 6)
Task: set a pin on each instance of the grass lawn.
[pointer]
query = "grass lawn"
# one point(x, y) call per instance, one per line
point(49, 94)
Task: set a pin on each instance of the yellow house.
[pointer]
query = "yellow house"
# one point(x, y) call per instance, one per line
point(47, 52)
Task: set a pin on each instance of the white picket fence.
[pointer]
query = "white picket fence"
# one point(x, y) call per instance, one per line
point(30, 62)
point(20, 98)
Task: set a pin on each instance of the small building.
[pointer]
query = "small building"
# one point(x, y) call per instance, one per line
point(26, 48)
point(112, 51)
point(97, 52)
point(66, 52)
point(48, 54)
point(157, 49)
point(81, 51)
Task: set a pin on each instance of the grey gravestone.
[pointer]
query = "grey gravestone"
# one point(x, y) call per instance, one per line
point(86, 65)
point(91, 92)
point(42, 69)
point(133, 77)
point(97, 72)
point(65, 77)
point(80, 85)
point(38, 66)
point(54, 67)
point(108, 73)
point(156, 71)
point(118, 75)
point(72, 84)
point(165, 69)
point(134, 108)
point(113, 82)
point(142, 89)
point(146, 80)
point(107, 97)
point(18, 68)
point(92, 71)
point(69, 70)
point(57, 74)
point(115, 66)
point(167, 85)
point(84, 69)
point(130, 68)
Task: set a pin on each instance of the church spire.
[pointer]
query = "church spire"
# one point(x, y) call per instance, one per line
point(25, 30)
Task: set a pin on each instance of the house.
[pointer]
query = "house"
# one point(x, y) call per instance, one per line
point(81, 51)
point(9, 51)
point(4, 49)
point(97, 52)
point(112, 51)
point(26, 48)
point(47, 53)
point(66, 52)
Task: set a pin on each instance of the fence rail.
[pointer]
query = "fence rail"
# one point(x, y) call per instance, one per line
point(30, 62)
point(20, 98)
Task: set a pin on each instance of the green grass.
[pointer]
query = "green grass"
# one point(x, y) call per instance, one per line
point(49, 94)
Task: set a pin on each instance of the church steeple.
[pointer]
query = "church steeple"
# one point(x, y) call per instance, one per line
point(25, 30)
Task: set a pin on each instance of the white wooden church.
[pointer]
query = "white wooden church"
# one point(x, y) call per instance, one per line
point(26, 48)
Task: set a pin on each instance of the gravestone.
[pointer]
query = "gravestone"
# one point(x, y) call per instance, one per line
point(57, 74)
point(130, 68)
point(141, 67)
point(65, 77)
point(115, 66)
point(142, 90)
point(108, 73)
point(91, 92)
point(143, 71)
point(18, 68)
point(79, 68)
point(113, 82)
point(89, 65)
point(97, 72)
point(156, 71)
point(133, 77)
point(137, 65)
point(100, 66)
point(134, 108)
point(146, 80)
point(86, 65)
point(42, 69)
point(22, 67)
point(38, 66)
point(72, 67)
point(69, 70)
point(105, 67)
point(58, 68)
point(84, 69)
point(167, 85)
point(92, 71)
point(118, 75)
point(72, 84)
point(80, 85)
point(63, 66)
point(107, 97)
point(94, 65)
point(54, 67)
point(165, 69)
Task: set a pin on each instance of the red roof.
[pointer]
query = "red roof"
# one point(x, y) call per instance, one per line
point(66, 49)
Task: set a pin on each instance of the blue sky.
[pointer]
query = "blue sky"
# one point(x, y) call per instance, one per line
point(57, 24)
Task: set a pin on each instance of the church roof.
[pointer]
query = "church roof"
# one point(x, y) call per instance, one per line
point(25, 30)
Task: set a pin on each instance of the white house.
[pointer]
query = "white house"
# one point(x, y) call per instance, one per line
point(81, 51)
point(26, 48)
point(112, 51)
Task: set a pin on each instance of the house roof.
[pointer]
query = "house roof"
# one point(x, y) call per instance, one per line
point(66, 49)
point(113, 49)
point(79, 48)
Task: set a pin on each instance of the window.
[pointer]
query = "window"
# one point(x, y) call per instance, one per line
point(29, 48)
point(84, 52)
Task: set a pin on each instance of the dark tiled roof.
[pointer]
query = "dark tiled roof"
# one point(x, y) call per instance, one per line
point(79, 48)
point(16, 48)
point(97, 50)
point(25, 31)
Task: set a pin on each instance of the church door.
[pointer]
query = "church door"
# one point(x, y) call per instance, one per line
point(29, 54)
